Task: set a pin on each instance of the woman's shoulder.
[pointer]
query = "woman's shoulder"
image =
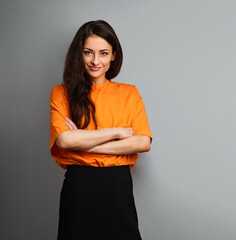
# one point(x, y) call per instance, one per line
point(126, 89)
point(57, 90)
point(124, 86)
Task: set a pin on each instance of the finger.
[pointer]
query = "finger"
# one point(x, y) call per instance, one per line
point(70, 123)
point(132, 132)
point(73, 124)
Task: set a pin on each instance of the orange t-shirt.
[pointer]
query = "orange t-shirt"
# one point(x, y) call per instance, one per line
point(117, 105)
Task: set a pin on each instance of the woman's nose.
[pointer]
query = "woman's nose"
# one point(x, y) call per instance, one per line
point(95, 59)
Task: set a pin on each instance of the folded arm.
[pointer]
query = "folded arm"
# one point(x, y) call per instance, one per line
point(78, 139)
point(130, 145)
point(101, 141)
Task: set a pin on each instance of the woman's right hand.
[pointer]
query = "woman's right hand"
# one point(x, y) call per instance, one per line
point(125, 132)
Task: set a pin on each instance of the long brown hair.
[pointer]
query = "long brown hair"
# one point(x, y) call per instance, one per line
point(77, 81)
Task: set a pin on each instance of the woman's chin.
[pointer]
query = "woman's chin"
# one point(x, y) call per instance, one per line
point(98, 77)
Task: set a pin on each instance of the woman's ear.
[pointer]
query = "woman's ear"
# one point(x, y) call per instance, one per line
point(113, 56)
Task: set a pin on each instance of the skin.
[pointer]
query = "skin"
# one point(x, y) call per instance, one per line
point(97, 57)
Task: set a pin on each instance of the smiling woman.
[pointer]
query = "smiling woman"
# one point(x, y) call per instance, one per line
point(97, 127)
point(97, 57)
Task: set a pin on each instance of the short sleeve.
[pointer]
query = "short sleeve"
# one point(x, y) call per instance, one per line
point(59, 110)
point(140, 123)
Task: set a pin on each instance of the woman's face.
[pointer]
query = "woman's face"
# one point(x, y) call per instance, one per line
point(97, 57)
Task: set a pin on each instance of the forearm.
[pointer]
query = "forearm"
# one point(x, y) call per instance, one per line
point(131, 145)
point(78, 139)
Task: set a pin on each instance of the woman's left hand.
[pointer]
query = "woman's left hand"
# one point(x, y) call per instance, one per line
point(70, 124)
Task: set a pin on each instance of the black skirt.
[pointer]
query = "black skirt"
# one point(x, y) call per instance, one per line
point(97, 203)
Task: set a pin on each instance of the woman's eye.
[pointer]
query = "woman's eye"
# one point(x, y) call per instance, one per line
point(104, 53)
point(87, 52)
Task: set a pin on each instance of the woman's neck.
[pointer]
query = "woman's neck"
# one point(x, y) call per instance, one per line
point(99, 81)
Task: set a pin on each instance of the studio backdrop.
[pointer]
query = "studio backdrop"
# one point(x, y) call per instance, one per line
point(181, 57)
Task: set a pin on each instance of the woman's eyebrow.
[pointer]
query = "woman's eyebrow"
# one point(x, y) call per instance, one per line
point(88, 49)
point(102, 50)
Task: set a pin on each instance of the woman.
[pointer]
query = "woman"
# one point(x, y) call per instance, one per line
point(97, 127)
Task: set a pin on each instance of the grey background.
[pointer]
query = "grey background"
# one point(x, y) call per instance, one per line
point(181, 56)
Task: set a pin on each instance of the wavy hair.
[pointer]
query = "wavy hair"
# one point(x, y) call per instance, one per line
point(77, 81)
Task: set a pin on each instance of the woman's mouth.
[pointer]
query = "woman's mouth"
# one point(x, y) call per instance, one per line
point(94, 68)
